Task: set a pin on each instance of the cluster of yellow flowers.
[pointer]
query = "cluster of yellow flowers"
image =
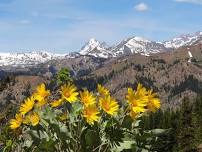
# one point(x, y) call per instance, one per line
point(89, 101)
point(139, 101)
point(91, 107)
point(27, 114)
point(142, 101)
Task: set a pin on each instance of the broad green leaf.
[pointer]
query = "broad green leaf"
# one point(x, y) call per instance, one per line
point(91, 140)
point(125, 145)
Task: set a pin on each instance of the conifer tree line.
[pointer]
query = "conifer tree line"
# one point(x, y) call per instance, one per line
point(184, 127)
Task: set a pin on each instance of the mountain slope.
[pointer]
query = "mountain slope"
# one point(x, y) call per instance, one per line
point(138, 45)
point(168, 73)
point(29, 58)
point(96, 49)
point(183, 40)
point(128, 46)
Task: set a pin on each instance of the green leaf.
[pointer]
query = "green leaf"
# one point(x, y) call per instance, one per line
point(76, 108)
point(27, 143)
point(47, 145)
point(114, 135)
point(109, 123)
point(137, 123)
point(127, 122)
point(125, 145)
point(8, 146)
point(91, 139)
point(9, 143)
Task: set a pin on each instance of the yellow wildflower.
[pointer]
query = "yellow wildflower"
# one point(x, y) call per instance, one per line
point(87, 98)
point(91, 114)
point(41, 91)
point(41, 95)
point(34, 119)
point(40, 101)
point(26, 119)
point(153, 101)
point(69, 93)
point(137, 99)
point(138, 109)
point(133, 114)
point(27, 105)
point(56, 103)
point(15, 123)
point(102, 90)
point(109, 105)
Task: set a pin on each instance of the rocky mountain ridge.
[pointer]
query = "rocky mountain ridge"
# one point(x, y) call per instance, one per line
point(168, 73)
point(133, 45)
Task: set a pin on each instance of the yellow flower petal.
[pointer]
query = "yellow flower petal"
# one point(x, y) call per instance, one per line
point(102, 91)
point(91, 114)
point(153, 102)
point(26, 120)
point(138, 109)
point(87, 98)
point(133, 114)
point(137, 99)
point(109, 105)
point(41, 91)
point(69, 93)
point(40, 101)
point(27, 105)
point(56, 103)
point(41, 95)
point(16, 123)
point(34, 119)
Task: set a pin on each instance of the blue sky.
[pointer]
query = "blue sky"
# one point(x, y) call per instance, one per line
point(62, 26)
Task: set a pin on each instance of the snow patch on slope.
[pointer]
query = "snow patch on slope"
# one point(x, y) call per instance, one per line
point(29, 58)
point(138, 45)
point(183, 40)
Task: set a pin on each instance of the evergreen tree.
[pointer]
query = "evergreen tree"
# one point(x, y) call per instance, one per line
point(186, 135)
point(63, 76)
point(198, 119)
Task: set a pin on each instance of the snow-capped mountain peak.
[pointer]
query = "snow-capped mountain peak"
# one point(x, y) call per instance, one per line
point(93, 41)
point(91, 45)
point(27, 58)
point(131, 45)
point(138, 45)
point(140, 39)
point(95, 48)
point(183, 40)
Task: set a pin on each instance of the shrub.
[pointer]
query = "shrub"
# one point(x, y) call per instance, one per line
point(63, 76)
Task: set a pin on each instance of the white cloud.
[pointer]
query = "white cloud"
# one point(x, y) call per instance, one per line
point(190, 1)
point(141, 7)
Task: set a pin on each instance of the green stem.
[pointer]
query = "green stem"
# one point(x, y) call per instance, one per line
point(124, 115)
